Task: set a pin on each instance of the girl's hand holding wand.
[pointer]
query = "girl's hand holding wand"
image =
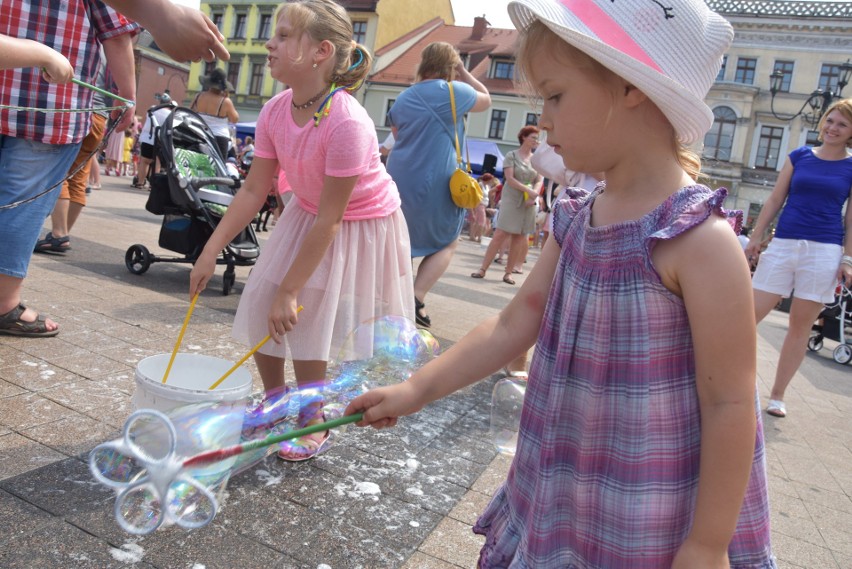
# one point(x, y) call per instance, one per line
point(283, 316)
point(382, 407)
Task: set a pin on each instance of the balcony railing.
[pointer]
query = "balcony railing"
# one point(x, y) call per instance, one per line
point(787, 9)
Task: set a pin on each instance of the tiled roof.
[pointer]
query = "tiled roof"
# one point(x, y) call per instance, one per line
point(495, 42)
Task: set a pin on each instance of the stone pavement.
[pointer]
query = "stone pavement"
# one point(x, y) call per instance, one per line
point(398, 498)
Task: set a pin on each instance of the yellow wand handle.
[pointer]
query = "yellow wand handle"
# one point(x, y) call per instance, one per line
point(244, 358)
point(180, 337)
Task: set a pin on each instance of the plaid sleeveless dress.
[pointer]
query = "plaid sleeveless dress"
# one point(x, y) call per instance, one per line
point(606, 470)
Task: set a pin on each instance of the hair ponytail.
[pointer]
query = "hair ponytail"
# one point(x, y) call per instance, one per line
point(352, 67)
point(688, 160)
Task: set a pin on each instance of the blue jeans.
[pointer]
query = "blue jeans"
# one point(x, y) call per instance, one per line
point(27, 168)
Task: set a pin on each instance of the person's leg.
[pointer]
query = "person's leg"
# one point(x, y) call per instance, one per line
point(517, 248)
point(764, 302)
point(308, 373)
point(432, 268)
point(29, 168)
point(72, 200)
point(490, 252)
point(271, 370)
point(803, 313)
point(94, 173)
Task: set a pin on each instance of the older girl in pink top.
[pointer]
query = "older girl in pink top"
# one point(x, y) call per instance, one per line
point(341, 248)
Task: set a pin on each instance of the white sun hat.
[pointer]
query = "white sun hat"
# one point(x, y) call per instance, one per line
point(671, 51)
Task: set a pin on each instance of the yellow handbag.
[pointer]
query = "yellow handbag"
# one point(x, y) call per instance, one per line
point(464, 189)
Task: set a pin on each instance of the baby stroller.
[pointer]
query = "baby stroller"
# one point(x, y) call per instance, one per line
point(192, 195)
point(835, 317)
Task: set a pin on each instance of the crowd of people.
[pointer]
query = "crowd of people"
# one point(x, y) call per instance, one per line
point(641, 442)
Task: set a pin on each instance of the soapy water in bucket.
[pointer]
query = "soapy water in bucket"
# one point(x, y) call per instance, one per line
point(146, 466)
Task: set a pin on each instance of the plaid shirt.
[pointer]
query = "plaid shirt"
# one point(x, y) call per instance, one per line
point(75, 29)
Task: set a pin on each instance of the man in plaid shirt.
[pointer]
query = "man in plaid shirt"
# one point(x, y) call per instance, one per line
point(37, 148)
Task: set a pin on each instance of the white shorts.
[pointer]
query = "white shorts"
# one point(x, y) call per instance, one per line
point(806, 266)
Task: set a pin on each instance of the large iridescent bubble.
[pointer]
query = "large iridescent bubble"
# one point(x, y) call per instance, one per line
point(147, 468)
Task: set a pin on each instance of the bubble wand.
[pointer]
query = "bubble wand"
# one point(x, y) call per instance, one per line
point(172, 469)
point(164, 479)
point(180, 337)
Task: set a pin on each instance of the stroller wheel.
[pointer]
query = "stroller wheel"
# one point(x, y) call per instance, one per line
point(137, 259)
point(815, 343)
point(228, 280)
point(843, 354)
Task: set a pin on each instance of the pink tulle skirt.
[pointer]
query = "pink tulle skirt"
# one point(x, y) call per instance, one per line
point(115, 146)
point(366, 273)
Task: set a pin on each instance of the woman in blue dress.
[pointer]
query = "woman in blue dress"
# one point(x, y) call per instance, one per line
point(424, 158)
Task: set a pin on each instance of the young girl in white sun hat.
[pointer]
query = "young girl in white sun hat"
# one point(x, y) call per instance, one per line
point(640, 444)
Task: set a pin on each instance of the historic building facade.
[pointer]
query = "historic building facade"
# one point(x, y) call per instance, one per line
point(247, 25)
point(807, 44)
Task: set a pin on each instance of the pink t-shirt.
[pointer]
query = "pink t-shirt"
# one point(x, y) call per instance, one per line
point(344, 144)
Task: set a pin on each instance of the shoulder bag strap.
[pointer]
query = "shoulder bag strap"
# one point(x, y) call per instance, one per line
point(456, 131)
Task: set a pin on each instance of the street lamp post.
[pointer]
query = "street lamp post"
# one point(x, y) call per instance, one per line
point(817, 102)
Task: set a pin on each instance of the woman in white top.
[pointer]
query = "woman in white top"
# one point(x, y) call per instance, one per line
point(216, 108)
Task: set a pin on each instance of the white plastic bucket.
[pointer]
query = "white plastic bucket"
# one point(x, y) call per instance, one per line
point(189, 383)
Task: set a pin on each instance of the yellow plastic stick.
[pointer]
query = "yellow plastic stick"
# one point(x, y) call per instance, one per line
point(244, 358)
point(180, 337)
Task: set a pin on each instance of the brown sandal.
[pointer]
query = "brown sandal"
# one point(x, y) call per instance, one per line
point(507, 278)
point(479, 274)
point(12, 325)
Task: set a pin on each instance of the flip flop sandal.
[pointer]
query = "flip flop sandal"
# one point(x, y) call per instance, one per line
point(776, 408)
point(12, 325)
point(304, 448)
point(259, 420)
point(51, 244)
point(480, 274)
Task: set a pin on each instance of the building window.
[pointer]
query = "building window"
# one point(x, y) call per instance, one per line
point(721, 75)
point(786, 69)
point(359, 32)
point(498, 124)
point(719, 141)
point(388, 106)
point(257, 73)
point(532, 119)
point(503, 69)
point(217, 18)
point(745, 70)
point(828, 76)
point(768, 147)
point(239, 26)
point(264, 27)
point(209, 66)
point(234, 73)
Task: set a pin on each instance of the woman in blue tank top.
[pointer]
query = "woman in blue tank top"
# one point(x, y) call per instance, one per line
point(809, 254)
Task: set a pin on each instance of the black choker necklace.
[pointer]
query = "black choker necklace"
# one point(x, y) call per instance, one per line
point(310, 103)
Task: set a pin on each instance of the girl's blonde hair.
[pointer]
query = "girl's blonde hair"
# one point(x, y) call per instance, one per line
point(438, 60)
point(844, 107)
point(538, 36)
point(326, 20)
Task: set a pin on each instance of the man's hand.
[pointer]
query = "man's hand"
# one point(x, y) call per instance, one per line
point(184, 33)
point(56, 68)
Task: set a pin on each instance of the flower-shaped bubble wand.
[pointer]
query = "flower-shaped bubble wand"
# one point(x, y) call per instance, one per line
point(161, 488)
